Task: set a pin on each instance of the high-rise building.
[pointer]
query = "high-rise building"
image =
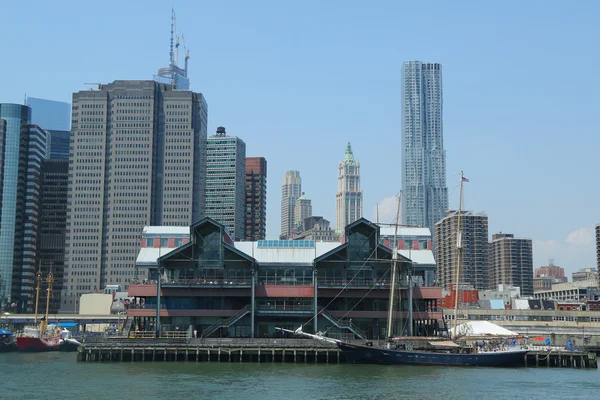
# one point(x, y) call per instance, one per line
point(53, 224)
point(302, 210)
point(50, 114)
point(58, 144)
point(22, 150)
point(226, 182)
point(556, 273)
point(138, 158)
point(424, 189)
point(174, 75)
point(256, 198)
point(598, 247)
point(349, 197)
point(511, 262)
point(291, 188)
point(474, 261)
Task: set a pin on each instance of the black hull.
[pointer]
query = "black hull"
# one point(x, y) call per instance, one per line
point(373, 355)
point(8, 347)
point(68, 347)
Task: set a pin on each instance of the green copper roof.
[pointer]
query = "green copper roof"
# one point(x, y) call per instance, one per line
point(349, 156)
point(303, 197)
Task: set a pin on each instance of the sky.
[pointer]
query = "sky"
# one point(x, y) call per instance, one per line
point(298, 80)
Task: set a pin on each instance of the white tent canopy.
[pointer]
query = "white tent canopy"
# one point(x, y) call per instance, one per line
point(481, 328)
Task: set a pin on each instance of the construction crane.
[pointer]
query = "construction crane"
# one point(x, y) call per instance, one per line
point(187, 54)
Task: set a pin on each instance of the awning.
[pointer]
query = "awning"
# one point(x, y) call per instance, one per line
point(67, 324)
point(5, 332)
point(446, 343)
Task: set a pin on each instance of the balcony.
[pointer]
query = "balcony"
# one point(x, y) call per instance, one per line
point(285, 309)
point(197, 282)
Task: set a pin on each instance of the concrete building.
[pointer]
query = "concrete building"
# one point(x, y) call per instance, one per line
point(423, 156)
point(138, 158)
point(571, 291)
point(317, 229)
point(256, 198)
point(302, 210)
point(511, 262)
point(542, 283)
point(291, 189)
point(474, 268)
point(551, 271)
point(22, 150)
point(226, 182)
point(585, 274)
point(50, 114)
point(246, 289)
point(349, 197)
point(53, 225)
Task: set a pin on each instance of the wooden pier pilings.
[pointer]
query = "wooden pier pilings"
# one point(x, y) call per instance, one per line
point(561, 359)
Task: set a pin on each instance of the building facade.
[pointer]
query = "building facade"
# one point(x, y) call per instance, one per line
point(302, 210)
point(50, 114)
point(349, 197)
point(58, 144)
point(511, 262)
point(223, 288)
point(585, 274)
point(291, 189)
point(22, 150)
point(474, 260)
point(551, 271)
point(53, 225)
point(256, 198)
point(226, 182)
point(317, 229)
point(424, 189)
point(138, 158)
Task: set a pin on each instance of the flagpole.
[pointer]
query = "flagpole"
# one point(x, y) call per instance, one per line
point(459, 251)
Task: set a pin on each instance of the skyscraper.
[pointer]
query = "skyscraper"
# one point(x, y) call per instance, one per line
point(256, 198)
point(598, 247)
point(425, 194)
point(226, 182)
point(511, 262)
point(474, 263)
point(302, 210)
point(349, 197)
point(173, 74)
point(58, 144)
point(50, 114)
point(291, 188)
point(53, 225)
point(138, 158)
point(22, 149)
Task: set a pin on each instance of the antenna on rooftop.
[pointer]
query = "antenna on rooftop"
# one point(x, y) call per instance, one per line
point(171, 54)
point(187, 54)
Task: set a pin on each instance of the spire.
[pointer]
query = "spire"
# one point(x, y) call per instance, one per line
point(349, 156)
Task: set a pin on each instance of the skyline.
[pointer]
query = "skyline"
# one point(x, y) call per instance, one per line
point(285, 71)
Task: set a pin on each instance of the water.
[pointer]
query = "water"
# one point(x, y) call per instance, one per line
point(59, 376)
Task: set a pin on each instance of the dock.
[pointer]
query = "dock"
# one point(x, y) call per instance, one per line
point(284, 350)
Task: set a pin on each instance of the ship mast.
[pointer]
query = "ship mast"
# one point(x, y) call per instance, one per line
point(459, 252)
point(390, 332)
point(49, 280)
point(37, 292)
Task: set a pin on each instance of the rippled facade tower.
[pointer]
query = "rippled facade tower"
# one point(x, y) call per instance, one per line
point(424, 189)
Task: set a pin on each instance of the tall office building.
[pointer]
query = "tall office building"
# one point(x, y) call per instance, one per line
point(50, 114)
point(22, 149)
point(291, 188)
point(226, 182)
point(58, 144)
point(511, 262)
point(425, 194)
point(53, 225)
point(302, 210)
point(474, 262)
point(138, 158)
point(598, 247)
point(256, 198)
point(349, 197)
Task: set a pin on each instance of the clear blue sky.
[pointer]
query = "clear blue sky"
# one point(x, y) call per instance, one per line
point(297, 80)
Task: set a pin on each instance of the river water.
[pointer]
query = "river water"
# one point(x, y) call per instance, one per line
point(59, 376)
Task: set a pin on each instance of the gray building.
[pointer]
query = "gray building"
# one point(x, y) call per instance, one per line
point(50, 114)
point(424, 189)
point(511, 262)
point(317, 229)
point(53, 224)
point(349, 196)
point(138, 158)
point(474, 263)
point(291, 189)
point(302, 210)
point(226, 182)
point(22, 150)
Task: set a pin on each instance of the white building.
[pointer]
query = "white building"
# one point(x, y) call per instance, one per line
point(349, 197)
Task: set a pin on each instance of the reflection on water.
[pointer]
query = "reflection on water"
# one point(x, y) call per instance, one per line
point(46, 375)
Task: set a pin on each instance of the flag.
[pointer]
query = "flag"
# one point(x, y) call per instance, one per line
point(465, 179)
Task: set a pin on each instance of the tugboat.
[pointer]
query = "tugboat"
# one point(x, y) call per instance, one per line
point(420, 350)
point(40, 337)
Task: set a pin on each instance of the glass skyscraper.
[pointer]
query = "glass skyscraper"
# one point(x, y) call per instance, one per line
point(425, 194)
point(50, 114)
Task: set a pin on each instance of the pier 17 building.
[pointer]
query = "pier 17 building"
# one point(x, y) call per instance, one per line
point(220, 288)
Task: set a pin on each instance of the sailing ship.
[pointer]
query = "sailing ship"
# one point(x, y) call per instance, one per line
point(40, 337)
point(425, 351)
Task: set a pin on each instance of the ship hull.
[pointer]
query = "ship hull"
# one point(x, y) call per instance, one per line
point(31, 344)
point(355, 354)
